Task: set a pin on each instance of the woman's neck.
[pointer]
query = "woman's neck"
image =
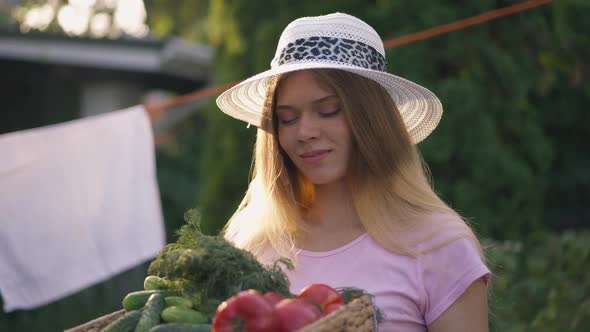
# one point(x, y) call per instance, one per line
point(334, 208)
point(333, 221)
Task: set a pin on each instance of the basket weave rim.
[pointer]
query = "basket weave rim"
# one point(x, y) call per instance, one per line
point(358, 314)
point(99, 322)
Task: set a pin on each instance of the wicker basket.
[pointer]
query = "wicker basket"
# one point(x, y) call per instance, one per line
point(97, 324)
point(357, 316)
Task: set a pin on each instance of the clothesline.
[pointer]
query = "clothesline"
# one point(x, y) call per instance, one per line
point(154, 108)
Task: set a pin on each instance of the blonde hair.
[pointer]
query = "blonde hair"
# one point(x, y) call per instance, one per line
point(392, 193)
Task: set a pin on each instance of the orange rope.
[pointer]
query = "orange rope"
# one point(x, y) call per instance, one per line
point(192, 96)
point(438, 30)
point(446, 28)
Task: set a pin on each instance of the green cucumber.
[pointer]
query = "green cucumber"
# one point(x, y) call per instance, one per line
point(153, 283)
point(176, 314)
point(178, 301)
point(209, 307)
point(150, 316)
point(181, 327)
point(137, 300)
point(125, 323)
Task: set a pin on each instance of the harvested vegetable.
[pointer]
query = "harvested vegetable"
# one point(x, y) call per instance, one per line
point(247, 311)
point(150, 316)
point(213, 268)
point(273, 298)
point(325, 297)
point(154, 283)
point(181, 327)
point(176, 314)
point(293, 314)
point(178, 301)
point(136, 300)
point(125, 323)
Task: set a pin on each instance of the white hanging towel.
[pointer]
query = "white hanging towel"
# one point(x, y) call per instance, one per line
point(79, 203)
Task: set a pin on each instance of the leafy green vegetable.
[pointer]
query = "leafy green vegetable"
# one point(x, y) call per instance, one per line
point(209, 266)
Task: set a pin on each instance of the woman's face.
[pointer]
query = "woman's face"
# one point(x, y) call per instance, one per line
point(312, 128)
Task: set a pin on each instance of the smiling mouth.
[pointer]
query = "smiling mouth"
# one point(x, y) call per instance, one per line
point(314, 156)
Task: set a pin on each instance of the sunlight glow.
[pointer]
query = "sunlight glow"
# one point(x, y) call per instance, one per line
point(81, 17)
point(100, 25)
point(74, 20)
point(82, 3)
point(112, 4)
point(38, 18)
point(130, 16)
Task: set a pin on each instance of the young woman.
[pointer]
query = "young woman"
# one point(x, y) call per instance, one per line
point(339, 186)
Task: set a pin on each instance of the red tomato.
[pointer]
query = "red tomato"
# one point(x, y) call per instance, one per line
point(246, 311)
point(332, 307)
point(273, 298)
point(324, 296)
point(293, 314)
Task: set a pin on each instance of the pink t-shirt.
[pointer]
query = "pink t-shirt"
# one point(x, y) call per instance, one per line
point(411, 292)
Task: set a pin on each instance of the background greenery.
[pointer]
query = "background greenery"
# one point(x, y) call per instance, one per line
point(510, 153)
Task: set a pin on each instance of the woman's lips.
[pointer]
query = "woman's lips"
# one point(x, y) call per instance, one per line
point(314, 156)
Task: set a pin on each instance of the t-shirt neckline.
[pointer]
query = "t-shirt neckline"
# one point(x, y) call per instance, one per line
point(347, 246)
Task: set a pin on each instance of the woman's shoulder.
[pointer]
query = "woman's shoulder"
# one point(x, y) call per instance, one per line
point(449, 263)
point(439, 232)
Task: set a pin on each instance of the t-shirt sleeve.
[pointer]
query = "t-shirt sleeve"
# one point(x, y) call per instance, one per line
point(447, 272)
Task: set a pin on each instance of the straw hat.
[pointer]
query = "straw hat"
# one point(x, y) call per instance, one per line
point(336, 41)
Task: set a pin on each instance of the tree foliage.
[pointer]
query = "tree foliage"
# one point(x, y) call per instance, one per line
point(186, 19)
point(541, 284)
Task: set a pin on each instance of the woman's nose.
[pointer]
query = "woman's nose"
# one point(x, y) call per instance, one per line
point(309, 127)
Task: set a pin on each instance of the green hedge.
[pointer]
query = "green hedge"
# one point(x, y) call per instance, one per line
point(542, 284)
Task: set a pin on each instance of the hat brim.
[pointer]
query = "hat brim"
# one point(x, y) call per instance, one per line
point(420, 109)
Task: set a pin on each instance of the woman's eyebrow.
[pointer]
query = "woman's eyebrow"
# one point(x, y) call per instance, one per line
point(323, 99)
point(314, 102)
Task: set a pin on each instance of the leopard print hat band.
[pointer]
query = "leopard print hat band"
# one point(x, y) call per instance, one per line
point(339, 50)
point(336, 41)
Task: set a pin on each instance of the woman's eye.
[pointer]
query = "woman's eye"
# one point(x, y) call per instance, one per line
point(330, 113)
point(287, 121)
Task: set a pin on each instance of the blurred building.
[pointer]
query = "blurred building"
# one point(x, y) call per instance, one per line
point(48, 79)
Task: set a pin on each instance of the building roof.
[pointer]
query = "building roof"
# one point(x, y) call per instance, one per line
point(170, 56)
